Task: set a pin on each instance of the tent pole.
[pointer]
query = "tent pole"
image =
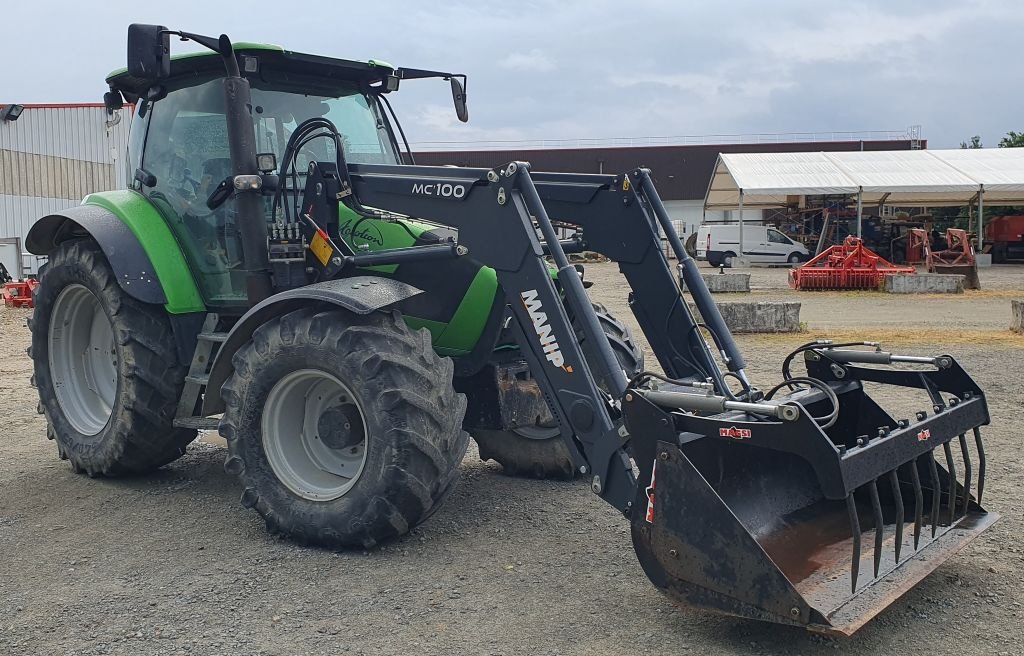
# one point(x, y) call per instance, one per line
point(860, 206)
point(741, 225)
point(981, 219)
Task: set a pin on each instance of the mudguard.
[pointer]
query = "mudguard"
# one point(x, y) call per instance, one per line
point(140, 247)
point(131, 265)
point(360, 294)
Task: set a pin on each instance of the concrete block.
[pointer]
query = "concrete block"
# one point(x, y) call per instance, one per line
point(924, 283)
point(759, 316)
point(1017, 322)
point(984, 260)
point(727, 282)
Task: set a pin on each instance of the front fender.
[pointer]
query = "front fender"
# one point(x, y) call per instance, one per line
point(137, 242)
point(360, 294)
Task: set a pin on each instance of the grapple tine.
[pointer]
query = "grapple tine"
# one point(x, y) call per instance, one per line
point(898, 498)
point(981, 463)
point(915, 479)
point(851, 509)
point(967, 472)
point(876, 507)
point(952, 481)
point(933, 473)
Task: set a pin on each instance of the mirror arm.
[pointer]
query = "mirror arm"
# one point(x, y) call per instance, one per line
point(221, 46)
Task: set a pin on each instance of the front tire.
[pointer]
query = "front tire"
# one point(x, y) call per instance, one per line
point(539, 451)
point(106, 368)
point(795, 258)
point(344, 429)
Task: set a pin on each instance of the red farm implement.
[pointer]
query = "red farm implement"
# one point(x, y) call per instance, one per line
point(18, 294)
point(850, 265)
point(956, 258)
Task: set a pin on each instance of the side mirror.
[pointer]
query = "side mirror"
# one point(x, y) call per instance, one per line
point(149, 51)
point(459, 97)
point(113, 101)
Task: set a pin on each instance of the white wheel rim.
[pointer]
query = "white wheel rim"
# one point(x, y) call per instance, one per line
point(291, 425)
point(82, 359)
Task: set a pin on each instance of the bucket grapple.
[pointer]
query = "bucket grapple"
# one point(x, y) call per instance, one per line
point(850, 265)
point(821, 522)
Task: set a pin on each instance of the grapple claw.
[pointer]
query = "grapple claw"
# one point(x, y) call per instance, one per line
point(951, 468)
point(898, 502)
point(876, 509)
point(933, 471)
point(967, 472)
point(851, 509)
point(981, 463)
point(915, 479)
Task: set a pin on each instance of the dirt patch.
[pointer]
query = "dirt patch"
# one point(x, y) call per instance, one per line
point(171, 564)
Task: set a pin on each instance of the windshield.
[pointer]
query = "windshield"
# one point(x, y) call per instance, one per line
point(357, 117)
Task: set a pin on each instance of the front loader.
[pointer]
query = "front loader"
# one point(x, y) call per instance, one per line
point(344, 318)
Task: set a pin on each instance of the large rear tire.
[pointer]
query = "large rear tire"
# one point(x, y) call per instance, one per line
point(106, 368)
point(539, 451)
point(344, 429)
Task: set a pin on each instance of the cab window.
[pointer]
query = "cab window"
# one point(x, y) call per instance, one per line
point(776, 237)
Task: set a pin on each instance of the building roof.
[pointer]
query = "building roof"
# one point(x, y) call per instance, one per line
point(680, 172)
point(905, 178)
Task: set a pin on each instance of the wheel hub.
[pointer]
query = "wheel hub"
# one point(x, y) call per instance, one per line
point(314, 434)
point(341, 427)
point(82, 359)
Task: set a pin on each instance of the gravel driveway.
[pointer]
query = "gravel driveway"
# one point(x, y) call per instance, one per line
point(171, 564)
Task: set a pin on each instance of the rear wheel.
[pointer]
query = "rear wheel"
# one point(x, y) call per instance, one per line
point(539, 450)
point(344, 429)
point(727, 259)
point(106, 368)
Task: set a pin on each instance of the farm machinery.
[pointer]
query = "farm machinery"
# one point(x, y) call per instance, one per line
point(850, 265)
point(16, 293)
point(956, 258)
point(281, 272)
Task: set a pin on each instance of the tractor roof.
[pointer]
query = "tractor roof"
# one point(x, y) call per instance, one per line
point(268, 59)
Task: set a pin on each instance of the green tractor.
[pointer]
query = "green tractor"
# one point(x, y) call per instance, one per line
point(280, 271)
point(143, 283)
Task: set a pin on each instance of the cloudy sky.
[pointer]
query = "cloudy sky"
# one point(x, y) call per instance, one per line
point(597, 69)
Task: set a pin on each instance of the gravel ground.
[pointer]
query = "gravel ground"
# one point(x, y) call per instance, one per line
point(171, 564)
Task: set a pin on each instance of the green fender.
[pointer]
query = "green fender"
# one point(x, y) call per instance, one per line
point(136, 240)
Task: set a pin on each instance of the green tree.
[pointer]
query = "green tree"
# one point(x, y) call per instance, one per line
point(1012, 140)
point(975, 142)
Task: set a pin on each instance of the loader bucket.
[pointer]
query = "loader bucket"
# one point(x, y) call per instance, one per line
point(788, 523)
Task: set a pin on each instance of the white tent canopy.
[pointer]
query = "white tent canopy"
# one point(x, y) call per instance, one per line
point(903, 177)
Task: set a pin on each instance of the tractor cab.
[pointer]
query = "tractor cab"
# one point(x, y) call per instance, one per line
point(180, 150)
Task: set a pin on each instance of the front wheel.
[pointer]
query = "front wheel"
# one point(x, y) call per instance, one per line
point(795, 258)
point(344, 429)
point(539, 451)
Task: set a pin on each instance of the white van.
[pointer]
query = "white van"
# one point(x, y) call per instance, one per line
point(720, 243)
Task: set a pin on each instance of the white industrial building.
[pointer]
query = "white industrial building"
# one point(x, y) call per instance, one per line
point(51, 156)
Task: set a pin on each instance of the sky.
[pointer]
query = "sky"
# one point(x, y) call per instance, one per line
point(596, 69)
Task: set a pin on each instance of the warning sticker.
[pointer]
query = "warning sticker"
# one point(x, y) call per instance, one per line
point(320, 248)
point(650, 495)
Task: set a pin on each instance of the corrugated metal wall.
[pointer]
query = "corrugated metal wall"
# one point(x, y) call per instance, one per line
point(51, 157)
